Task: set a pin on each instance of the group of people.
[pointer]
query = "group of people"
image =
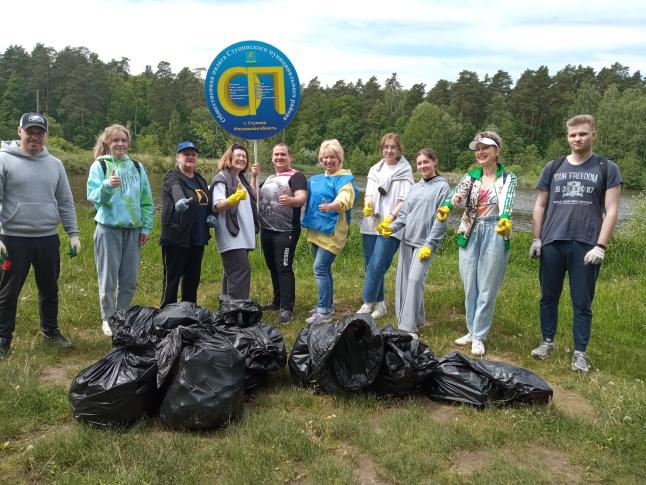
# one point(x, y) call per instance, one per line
point(574, 217)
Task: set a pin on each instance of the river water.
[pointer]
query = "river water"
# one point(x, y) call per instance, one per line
point(522, 209)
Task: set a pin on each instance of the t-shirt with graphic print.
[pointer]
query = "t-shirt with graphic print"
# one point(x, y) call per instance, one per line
point(276, 217)
point(575, 212)
point(487, 203)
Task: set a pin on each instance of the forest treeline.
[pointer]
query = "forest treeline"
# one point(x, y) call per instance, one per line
point(81, 95)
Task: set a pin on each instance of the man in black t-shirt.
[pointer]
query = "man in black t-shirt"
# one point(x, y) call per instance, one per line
point(574, 217)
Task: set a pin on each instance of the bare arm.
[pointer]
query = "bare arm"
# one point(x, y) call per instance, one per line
point(539, 212)
point(397, 208)
point(612, 210)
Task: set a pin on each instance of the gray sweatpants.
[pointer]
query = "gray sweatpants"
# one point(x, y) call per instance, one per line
point(116, 253)
point(409, 288)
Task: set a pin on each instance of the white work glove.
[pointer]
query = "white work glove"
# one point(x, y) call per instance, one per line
point(594, 256)
point(75, 245)
point(535, 249)
point(182, 204)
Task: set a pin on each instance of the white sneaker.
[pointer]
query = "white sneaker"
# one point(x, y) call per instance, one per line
point(466, 339)
point(380, 310)
point(106, 329)
point(477, 347)
point(365, 308)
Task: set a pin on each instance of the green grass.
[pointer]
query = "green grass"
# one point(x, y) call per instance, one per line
point(594, 432)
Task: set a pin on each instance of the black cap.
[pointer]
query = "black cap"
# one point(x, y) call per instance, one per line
point(33, 119)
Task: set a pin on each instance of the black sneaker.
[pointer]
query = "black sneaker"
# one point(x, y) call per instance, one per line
point(269, 308)
point(285, 316)
point(58, 339)
point(5, 348)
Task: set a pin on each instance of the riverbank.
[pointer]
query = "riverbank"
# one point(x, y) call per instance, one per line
point(593, 431)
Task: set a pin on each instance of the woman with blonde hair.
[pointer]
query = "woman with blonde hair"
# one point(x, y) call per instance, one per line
point(389, 181)
point(119, 189)
point(330, 197)
point(484, 234)
point(234, 203)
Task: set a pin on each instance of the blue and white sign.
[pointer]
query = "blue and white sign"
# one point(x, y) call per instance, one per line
point(252, 90)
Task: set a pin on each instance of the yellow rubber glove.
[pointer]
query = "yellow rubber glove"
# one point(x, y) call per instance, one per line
point(384, 228)
point(504, 227)
point(237, 196)
point(367, 209)
point(443, 213)
point(425, 253)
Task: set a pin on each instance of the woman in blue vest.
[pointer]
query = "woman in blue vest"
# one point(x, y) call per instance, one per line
point(330, 199)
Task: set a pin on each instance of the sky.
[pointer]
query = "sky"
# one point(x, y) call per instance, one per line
point(422, 41)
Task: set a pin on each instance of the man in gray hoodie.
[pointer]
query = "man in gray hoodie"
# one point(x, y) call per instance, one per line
point(35, 197)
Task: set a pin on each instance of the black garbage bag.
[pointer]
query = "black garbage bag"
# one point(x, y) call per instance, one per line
point(202, 377)
point(175, 314)
point(332, 357)
point(117, 390)
point(457, 378)
point(238, 313)
point(407, 362)
point(134, 328)
point(262, 347)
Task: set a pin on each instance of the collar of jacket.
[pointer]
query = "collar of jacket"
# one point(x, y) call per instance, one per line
point(476, 173)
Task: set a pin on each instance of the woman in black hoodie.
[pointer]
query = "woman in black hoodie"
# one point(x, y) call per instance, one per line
point(185, 219)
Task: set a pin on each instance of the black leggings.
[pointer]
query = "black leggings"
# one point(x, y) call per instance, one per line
point(278, 249)
point(185, 264)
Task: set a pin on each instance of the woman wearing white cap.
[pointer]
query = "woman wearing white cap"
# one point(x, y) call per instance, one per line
point(484, 234)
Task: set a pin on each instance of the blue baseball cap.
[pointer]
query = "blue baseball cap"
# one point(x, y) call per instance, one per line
point(185, 145)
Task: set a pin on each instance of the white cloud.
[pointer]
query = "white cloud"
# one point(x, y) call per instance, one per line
point(422, 41)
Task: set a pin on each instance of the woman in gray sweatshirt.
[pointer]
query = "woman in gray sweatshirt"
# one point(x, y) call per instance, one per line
point(421, 238)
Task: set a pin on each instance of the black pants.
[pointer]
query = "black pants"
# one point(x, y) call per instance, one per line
point(278, 249)
point(183, 264)
point(236, 279)
point(43, 253)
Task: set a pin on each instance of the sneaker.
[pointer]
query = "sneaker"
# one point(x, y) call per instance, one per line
point(58, 339)
point(365, 308)
point(544, 350)
point(312, 311)
point(320, 318)
point(466, 339)
point(5, 348)
point(285, 316)
point(269, 308)
point(380, 310)
point(580, 362)
point(107, 331)
point(477, 347)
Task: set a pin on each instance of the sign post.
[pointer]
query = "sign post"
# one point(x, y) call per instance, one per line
point(252, 91)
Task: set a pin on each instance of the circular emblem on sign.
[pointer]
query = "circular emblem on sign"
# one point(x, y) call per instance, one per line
point(252, 90)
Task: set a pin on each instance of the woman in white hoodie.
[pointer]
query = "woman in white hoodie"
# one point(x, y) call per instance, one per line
point(389, 181)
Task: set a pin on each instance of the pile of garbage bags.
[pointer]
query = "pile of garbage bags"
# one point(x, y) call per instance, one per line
point(354, 355)
point(193, 368)
point(189, 366)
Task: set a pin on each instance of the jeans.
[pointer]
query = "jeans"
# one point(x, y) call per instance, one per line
point(116, 253)
point(323, 260)
point(279, 248)
point(378, 253)
point(409, 291)
point(557, 258)
point(482, 268)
